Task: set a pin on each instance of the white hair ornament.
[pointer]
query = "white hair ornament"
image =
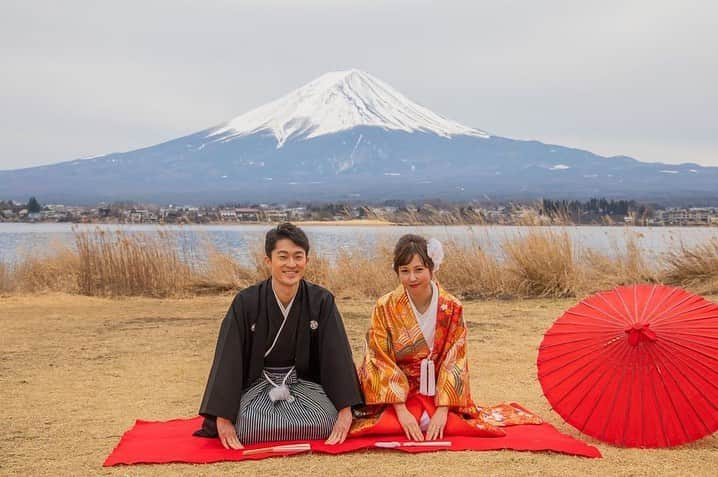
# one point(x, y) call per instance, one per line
point(435, 252)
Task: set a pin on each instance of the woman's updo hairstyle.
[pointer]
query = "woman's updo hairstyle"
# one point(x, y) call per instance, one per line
point(408, 246)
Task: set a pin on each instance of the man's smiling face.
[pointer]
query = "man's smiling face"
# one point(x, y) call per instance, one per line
point(287, 262)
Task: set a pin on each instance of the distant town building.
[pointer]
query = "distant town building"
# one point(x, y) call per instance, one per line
point(227, 214)
point(691, 216)
point(248, 214)
point(275, 215)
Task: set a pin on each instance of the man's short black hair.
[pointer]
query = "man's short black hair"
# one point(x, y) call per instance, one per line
point(286, 230)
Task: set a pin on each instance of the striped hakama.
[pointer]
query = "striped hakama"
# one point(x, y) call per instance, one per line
point(261, 335)
point(306, 414)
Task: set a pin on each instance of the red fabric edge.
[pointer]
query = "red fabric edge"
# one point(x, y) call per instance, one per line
point(149, 442)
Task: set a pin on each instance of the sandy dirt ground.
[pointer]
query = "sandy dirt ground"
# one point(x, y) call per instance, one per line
point(75, 373)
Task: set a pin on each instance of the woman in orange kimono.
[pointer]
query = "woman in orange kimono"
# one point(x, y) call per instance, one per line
point(415, 370)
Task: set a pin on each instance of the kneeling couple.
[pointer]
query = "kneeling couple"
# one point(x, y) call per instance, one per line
point(283, 366)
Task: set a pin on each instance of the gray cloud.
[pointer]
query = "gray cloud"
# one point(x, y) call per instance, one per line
point(614, 77)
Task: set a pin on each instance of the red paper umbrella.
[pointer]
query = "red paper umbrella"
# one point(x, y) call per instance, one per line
point(636, 366)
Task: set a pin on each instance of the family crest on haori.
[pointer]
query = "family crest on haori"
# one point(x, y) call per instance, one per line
point(283, 367)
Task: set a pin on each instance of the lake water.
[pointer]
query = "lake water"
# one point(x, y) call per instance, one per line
point(19, 239)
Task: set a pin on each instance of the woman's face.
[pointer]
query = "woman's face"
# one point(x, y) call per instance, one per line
point(415, 276)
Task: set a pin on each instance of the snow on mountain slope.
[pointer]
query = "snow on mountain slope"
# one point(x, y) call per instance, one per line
point(336, 102)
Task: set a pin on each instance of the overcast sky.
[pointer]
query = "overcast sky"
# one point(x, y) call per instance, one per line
point(636, 78)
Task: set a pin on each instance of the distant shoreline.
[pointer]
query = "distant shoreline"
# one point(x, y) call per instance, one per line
point(357, 223)
point(351, 222)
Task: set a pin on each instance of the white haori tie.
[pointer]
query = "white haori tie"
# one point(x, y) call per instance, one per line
point(427, 325)
point(279, 392)
point(427, 381)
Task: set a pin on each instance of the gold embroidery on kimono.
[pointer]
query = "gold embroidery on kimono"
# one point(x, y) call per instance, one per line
point(395, 347)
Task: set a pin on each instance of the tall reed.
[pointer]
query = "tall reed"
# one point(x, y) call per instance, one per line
point(695, 267)
point(221, 273)
point(541, 263)
point(472, 272)
point(362, 272)
point(359, 272)
point(121, 264)
point(6, 282)
point(603, 271)
point(56, 270)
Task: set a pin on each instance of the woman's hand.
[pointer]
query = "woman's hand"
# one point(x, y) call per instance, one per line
point(437, 424)
point(341, 427)
point(408, 423)
point(228, 434)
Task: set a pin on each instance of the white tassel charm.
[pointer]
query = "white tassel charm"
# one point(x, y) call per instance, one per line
point(427, 381)
point(279, 392)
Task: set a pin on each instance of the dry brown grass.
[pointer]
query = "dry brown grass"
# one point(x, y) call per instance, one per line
point(6, 277)
point(473, 272)
point(319, 270)
point(221, 273)
point(362, 273)
point(603, 271)
point(126, 264)
point(356, 273)
point(75, 373)
point(694, 267)
point(540, 262)
point(57, 271)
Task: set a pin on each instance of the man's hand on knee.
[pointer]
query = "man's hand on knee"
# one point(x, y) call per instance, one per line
point(341, 427)
point(228, 434)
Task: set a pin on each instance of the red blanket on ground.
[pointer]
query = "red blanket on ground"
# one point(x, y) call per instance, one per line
point(172, 441)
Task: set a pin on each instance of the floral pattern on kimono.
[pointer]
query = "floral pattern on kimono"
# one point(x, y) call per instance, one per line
point(391, 369)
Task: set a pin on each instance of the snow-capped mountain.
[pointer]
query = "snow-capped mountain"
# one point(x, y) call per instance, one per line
point(348, 135)
point(336, 102)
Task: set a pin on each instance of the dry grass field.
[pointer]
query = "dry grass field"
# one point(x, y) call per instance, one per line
point(76, 371)
point(538, 263)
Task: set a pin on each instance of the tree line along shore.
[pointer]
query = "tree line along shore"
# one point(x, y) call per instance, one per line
point(398, 212)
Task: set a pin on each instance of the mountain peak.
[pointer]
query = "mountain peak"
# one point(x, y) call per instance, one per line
point(337, 101)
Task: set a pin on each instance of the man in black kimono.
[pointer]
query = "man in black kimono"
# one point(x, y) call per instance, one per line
point(282, 330)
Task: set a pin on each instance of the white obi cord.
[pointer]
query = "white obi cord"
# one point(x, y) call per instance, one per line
point(427, 324)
